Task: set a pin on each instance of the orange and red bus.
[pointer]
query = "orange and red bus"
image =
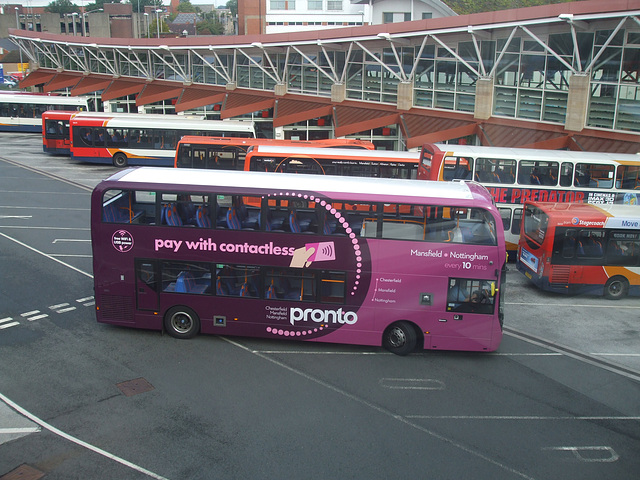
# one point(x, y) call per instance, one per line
point(143, 139)
point(228, 153)
point(56, 139)
point(581, 248)
point(333, 161)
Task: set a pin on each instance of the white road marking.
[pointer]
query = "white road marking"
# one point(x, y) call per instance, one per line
point(610, 453)
point(11, 431)
point(77, 441)
point(412, 384)
point(7, 322)
point(62, 240)
point(45, 255)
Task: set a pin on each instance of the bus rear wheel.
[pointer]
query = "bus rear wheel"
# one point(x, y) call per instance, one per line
point(181, 322)
point(616, 288)
point(120, 160)
point(400, 338)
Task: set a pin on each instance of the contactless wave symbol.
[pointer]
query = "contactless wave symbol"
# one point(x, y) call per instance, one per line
point(324, 251)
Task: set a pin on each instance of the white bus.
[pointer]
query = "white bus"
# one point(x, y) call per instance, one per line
point(22, 112)
point(517, 175)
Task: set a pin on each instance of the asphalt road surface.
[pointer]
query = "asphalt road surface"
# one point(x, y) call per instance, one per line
point(560, 399)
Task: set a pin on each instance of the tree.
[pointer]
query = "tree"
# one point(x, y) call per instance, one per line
point(464, 7)
point(61, 6)
point(135, 4)
point(210, 26)
point(233, 6)
point(185, 6)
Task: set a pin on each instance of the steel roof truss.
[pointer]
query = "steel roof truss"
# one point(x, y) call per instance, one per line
point(179, 72)
point(605, 45)
point(273, 74)
point(494, 69)
point(326, 57)
point(548, 49)
point(477, 47)
point(418, 57)
point(45, 50)
point(456, 56)
point(382, 64)
point(139, 64)
point(220, 70)
point(331, 76)
point(343, 76)
point(77, 59)
point(101, 58)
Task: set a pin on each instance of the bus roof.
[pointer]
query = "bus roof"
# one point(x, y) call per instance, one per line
point(238, 141)
point(347, 152)
point(368, 189)
point(508, 153)
point(579, 213)
point(178, 122)
point(19, 97)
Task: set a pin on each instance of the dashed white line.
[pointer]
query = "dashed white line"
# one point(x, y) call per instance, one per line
point(7, 323)
point(28, 314)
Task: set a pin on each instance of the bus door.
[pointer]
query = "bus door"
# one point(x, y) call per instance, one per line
point(472, 302)
point(147, 275)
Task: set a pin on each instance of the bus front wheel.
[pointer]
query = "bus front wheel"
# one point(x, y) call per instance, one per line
point(616, 288)
point(400, 338)
point(120, 160)
point(181, 322)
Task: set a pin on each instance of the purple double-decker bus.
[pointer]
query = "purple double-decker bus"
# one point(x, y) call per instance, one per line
point(398, 263)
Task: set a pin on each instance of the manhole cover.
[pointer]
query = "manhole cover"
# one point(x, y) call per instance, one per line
point(23, 472)
point(134, 387)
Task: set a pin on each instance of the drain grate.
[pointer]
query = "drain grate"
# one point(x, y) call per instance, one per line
point(134, 387)
point(23, 472)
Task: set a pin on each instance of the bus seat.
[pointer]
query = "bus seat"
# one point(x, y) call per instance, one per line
point(271, 291)
point(171, 215)
point(329, 225)
point(244, 290)
point(221, 288)
point(294, 225)
point(185, 283)
point(233, 222)
point(112, 214)
point(202, 217)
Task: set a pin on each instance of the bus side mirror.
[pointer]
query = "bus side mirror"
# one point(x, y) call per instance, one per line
point(493, 289)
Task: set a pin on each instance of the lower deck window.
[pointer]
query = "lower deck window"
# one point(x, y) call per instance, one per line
point(470, 296)
point(246, 281)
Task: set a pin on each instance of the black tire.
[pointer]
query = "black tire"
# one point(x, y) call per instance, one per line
point(181, 322)
point(400, 338)
point(120, 160)
point(616, 288)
